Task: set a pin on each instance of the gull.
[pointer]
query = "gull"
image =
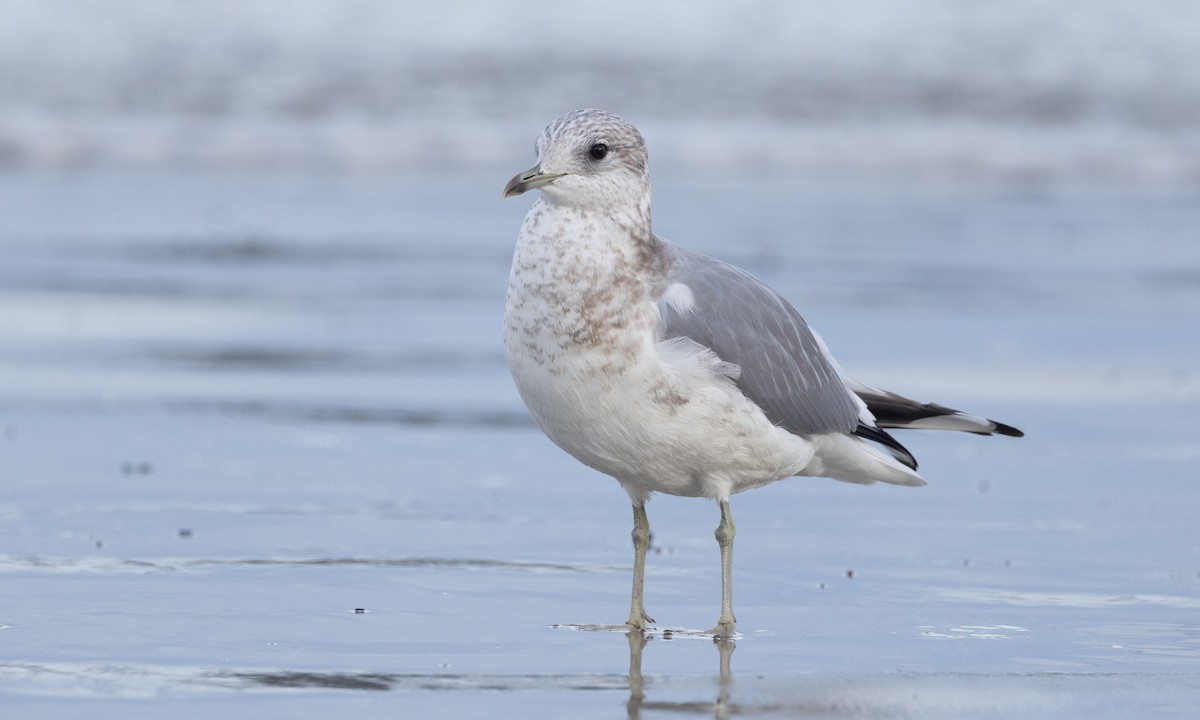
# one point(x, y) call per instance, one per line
point(671, 371)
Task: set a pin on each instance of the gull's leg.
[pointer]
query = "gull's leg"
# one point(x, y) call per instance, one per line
point(727, 623)
point(638, 619)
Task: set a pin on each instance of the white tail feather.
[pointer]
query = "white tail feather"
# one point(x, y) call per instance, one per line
point(851, 459)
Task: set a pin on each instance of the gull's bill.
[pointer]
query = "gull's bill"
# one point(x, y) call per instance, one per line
point(530, 179)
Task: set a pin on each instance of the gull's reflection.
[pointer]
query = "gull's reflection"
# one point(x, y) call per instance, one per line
point(637, 693)
point(637, 643)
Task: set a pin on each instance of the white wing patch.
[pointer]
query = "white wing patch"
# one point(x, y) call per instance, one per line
point(679, 298)
point(687, 355)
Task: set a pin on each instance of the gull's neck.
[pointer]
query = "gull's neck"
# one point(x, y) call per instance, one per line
point(604, 234)
point(584, 278)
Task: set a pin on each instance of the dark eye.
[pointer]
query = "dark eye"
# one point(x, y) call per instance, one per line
point(598, 151)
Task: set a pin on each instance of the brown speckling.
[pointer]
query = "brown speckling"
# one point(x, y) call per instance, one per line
point(586, 276)
point(669, 395)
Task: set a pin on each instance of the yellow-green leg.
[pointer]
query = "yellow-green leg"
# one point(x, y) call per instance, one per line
point(727, 623)
point(638, 619)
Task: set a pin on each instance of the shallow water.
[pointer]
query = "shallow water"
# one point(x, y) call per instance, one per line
point(260, 450)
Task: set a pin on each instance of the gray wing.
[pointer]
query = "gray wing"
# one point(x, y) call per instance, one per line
point(783, 369)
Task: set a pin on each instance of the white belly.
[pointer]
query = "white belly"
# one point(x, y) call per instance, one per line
point(656, 416)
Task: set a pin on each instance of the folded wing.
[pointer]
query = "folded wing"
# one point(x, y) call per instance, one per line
point(783, 369)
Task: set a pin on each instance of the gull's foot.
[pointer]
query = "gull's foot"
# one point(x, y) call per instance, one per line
point(638, 621)
point(725, 629)
point(592, 627)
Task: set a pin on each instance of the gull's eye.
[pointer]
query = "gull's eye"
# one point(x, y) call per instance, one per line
point(598, 151)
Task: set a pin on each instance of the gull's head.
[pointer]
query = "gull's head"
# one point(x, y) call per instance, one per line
point(587, 157)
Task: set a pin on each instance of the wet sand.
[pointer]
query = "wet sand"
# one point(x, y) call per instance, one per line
point(260, 449)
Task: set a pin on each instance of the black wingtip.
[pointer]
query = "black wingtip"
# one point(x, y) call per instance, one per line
point(1002, 429)
point(899, 452)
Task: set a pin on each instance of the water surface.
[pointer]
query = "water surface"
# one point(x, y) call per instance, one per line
point(259, 445)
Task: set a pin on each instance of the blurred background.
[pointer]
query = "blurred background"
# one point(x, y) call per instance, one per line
point(253, 259)
point(1017, 92)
